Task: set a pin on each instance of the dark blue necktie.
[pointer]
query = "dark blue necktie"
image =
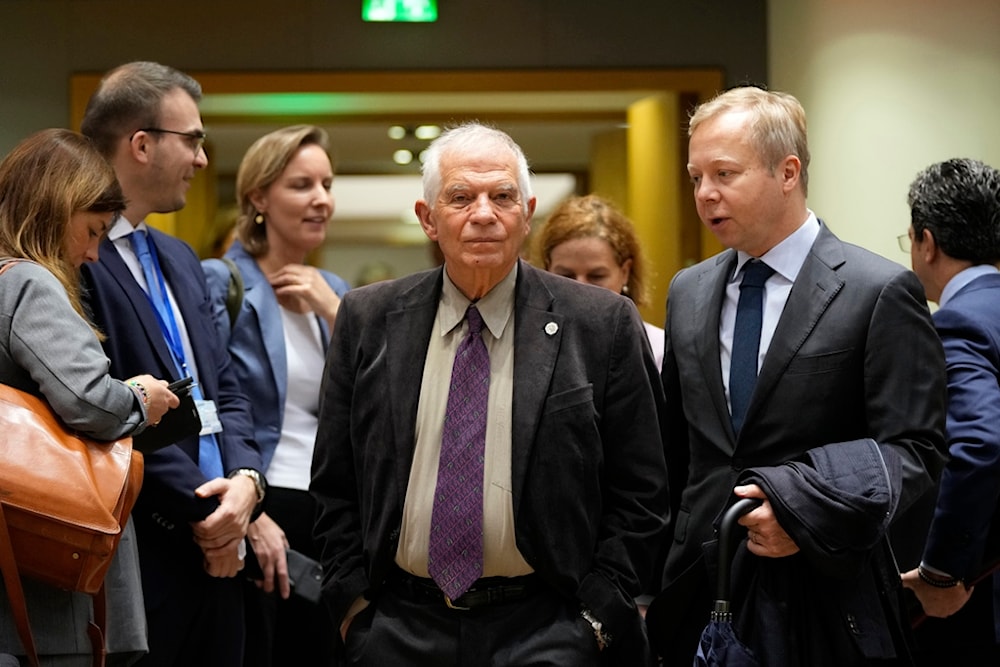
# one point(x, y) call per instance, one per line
point(209, 457)
point(746, 339)
point(455, 554)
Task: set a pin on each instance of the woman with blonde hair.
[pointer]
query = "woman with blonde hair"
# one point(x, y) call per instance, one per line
point(58, 197)
point(278, 344)
point(590, 240)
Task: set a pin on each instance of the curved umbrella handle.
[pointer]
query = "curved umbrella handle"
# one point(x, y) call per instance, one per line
point(727, 528)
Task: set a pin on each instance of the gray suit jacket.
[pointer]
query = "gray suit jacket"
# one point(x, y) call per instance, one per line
point(854, 356)
point(587, 464)
point(38, 331)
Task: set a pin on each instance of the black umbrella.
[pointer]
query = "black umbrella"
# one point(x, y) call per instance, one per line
point(719, 645)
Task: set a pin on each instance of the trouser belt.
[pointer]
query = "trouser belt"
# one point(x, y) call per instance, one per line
point(482, 593)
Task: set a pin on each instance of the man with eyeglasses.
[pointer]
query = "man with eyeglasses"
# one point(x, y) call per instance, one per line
point(147, 293)
point(954, 247)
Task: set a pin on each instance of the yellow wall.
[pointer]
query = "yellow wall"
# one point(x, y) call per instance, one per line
point(654, 200)
point(609, 166)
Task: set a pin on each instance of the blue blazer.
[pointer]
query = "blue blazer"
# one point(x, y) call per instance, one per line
point(135, 345)
point(257, 344)
point(969, 326)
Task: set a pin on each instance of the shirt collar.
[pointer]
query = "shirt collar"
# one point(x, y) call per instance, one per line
point(963, 278)
point(122, 228)
point(787, 257)
point(496, 305)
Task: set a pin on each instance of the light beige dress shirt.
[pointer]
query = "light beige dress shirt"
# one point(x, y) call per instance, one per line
point(501, 556)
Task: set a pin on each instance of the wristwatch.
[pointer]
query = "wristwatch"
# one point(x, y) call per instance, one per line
point(603, 638)
point(260, 485)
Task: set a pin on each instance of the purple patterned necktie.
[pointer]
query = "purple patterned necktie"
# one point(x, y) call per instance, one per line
point(455, 555)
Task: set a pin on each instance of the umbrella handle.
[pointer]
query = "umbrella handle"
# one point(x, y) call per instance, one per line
point(727, 528)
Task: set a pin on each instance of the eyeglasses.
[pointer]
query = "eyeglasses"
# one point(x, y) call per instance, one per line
point(196, 139)
point(904, 242)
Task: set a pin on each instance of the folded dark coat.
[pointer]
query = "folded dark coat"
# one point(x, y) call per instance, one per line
point(836, 602)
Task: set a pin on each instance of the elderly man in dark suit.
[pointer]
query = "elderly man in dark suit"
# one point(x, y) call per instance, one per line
point(562, 480)
point(954, 242)
point(838, 434)
point(148, 294)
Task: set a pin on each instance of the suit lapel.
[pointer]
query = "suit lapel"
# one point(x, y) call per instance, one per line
point(186, 290)
point(814, 290)
point(139, 301)
point(260, 298)
point(535, 352)
point(407, 330)
point(711, 291)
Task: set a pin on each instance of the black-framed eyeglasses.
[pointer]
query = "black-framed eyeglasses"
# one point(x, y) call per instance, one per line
point(196, 138)
point(905, 243)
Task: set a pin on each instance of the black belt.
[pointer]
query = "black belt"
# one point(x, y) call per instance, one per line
point(482, 593)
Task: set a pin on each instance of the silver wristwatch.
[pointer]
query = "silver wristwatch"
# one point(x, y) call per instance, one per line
point(603, 638)
point(260, 484)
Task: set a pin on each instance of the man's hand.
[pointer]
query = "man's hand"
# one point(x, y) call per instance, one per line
point(228, 523)
point(269, 543)
point(224, 561)
point(937, 602)
point(765, 536)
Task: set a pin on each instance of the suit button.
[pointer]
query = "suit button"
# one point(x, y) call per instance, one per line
point(737, 464)
point(852, 624)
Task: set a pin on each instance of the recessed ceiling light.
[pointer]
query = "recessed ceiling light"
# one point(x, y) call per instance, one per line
point(397, 132)
point(427, 132)
point(402, 156)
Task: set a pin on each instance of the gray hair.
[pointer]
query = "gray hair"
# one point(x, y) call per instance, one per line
point(462, 138)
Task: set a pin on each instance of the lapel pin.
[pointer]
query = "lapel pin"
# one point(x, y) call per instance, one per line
point(551, 328)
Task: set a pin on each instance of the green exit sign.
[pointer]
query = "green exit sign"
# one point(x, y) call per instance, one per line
point(401, 11)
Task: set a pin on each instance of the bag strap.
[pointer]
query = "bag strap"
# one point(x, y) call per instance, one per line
point(19, 608)
point(97, 628)
point(234, 293)
point(15, 592)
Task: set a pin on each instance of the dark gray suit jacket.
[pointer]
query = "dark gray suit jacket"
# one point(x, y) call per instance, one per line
point(587, 463)
point(854, 356)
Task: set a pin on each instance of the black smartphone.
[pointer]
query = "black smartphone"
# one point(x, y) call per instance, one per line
point(181, 386)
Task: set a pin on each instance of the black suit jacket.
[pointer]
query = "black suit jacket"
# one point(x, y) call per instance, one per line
point(135, 345)
point(587, 469)
point(854, 356)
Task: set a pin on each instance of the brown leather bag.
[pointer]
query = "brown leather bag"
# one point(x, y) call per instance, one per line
point(64, 502)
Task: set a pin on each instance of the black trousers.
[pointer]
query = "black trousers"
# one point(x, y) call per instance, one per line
point(293, 631)
point(542, 630)
point(967, 637)
point(200, 623)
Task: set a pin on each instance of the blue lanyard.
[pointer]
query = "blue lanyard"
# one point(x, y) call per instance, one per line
point(168, 326)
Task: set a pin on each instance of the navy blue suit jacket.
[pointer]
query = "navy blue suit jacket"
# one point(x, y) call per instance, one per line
point(135, 345)
point(969, 326)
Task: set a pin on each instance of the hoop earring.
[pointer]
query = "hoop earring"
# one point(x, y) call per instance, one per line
point(259, 219)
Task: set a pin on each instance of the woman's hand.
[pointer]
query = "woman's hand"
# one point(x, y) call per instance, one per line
point(305, 284)
point(269, 543)
point(158, 398)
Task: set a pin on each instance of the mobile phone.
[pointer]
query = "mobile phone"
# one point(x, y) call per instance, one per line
point(181, 385)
